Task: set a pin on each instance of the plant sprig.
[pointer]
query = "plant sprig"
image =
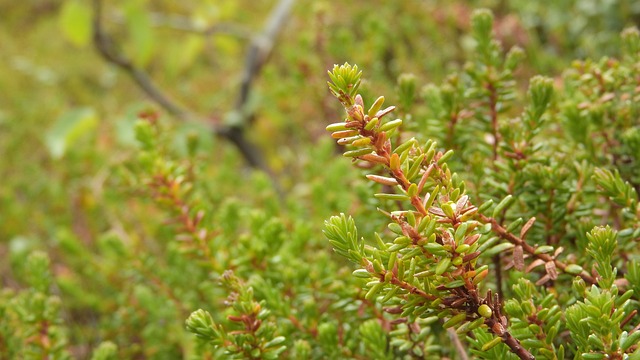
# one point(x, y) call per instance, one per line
point(431, 266)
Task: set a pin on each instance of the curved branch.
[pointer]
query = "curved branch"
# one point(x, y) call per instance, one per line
point(260, 49)
point(503, 233)
point(106, 48)
point(185, 24)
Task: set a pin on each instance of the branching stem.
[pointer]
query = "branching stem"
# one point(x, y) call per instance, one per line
point(503, 233)
point(260, 49)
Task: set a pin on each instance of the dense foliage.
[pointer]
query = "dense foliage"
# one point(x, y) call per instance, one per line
point(169, 190)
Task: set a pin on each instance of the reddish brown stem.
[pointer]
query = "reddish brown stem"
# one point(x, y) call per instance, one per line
point(513, 343)
point(503, 233)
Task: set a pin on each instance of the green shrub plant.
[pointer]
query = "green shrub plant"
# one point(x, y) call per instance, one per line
point(492, 219)
point(564, 274)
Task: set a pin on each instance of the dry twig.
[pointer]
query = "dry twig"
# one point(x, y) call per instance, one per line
point(258, 53)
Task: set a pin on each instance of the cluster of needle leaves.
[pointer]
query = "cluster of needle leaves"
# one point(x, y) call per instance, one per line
point(445, 263)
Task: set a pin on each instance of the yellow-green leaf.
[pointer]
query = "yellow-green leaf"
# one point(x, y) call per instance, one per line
point(142, 39)
point(69, 128)
point(75, 22)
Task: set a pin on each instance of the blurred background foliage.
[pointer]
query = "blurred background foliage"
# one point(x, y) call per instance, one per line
point(71, 189)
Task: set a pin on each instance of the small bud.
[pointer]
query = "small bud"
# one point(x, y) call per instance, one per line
point(514, 56)
point(541, 92)
point(356, 113)
point(372, 123)
point(579, 286)
point(394, 162)
point(527, 308)
point(482, 23)
point(201, 324)
point(485, 311)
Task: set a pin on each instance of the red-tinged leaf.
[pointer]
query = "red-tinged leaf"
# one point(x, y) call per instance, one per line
point(526, 227)
point(606, 97)
point(437, 211)
point(543, 280)
point(199, 217)
point(385, 111)
point(550, 267)
point(393, 310)
point(462, 202)
point(373, 158)
point(470, 240)
point(534, 265)
point(470, 256)
point(558, 251)
point(518, 258)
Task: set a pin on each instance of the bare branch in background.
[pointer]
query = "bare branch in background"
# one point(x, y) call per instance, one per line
point(259, 51)
point(457, 344)
point(182, 23)
point(106, 47)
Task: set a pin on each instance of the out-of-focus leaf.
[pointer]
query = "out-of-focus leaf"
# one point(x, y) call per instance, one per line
point(183, 54)
point(68, 128)
point(141, 33)
point(75, 22)
point(190, 50)
point(125, 126)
